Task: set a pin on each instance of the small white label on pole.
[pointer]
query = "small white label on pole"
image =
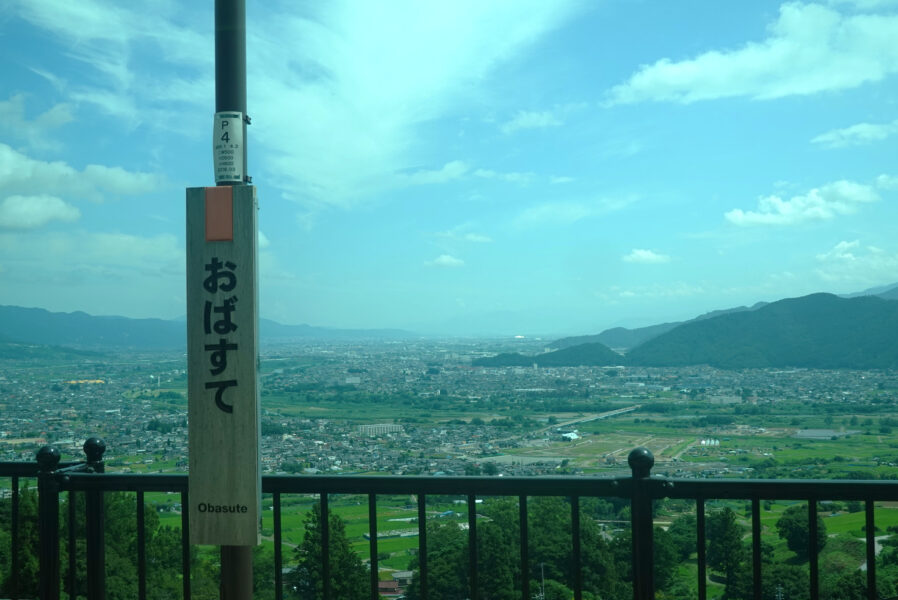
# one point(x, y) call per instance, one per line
point(228, 149)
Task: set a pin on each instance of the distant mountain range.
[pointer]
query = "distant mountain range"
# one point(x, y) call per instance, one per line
point(80, 330)
point(621, 338)
point(815, 331)
point(820, 330)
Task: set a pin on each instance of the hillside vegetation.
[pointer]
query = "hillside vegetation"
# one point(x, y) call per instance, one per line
point(820, 331)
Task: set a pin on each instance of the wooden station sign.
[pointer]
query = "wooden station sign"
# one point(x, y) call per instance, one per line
point(225, 486)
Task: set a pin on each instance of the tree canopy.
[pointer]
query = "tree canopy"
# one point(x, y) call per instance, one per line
point(793, 527)
point(348, 576)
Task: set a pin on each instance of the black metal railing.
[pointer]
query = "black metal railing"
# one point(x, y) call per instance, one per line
point(641, 488)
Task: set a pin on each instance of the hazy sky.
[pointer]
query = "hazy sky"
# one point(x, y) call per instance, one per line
point(495, 166)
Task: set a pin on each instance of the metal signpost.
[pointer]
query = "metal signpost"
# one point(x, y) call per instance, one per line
point(225, 491)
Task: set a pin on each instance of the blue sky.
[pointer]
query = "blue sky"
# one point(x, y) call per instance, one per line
point(519, 167)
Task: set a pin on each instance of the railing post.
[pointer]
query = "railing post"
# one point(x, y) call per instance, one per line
point(14, 540)
point(641, 462)
point(48, 522)
point(96, 543)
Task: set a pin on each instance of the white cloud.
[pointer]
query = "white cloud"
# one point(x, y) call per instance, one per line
point(810, 48)
point(263, 241)
point(531, 120)
point(367, 76)
point(33, 132)
point(866, 4)
point(887, 182)
point(567, 213)
point(112, 38)
point(446, 261)
point(101, 273)
point(20, 174)
point(449, 172)
point(819, 204)
point(647, 257)
point(58, 255)
point(477, 238)
point(674, 290)
point(850, 262)
point(338, 92)
point(30, 212)
point(464, 234)
point(512, 177)
point(856, 135)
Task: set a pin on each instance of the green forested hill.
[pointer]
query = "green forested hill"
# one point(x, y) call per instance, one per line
point(624, 339)
point(816, 331)
point(617, 337)
point(593, 355)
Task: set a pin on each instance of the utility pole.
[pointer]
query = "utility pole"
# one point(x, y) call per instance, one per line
point(224, 491)
point(230, 96)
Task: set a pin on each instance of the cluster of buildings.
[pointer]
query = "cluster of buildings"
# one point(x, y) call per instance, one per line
point(137, 405)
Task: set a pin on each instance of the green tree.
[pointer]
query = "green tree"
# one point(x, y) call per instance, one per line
point(665, 557)
point(726, 551)
point(793, 527)
point(28, 576)
point(163, 548)
point(348, 576)
point(557, 591)
point(664, 560)
point(683, 534)
point(263, 573)
point(490, 468)
point(447, 577)
point(778, 580)
point(5, 551)
point(844, 586)
point(497, 539)
point(498, 549)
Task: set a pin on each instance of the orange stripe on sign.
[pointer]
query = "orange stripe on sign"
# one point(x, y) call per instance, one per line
point(220, 214)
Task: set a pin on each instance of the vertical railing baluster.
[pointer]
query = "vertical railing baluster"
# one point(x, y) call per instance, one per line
point(141, 548)
point(372, 545)
point(278, 551)
point(641, 462)
point(575, 547)
point(185, 545)
point(325, 547)
point(700, 547)
point(525, 557)
point(14, 541)
point(96, 542)
point(422, 545)
point(96, 554)
point(756, 547)
point(472, 546)
point(812, 549)
point(871, 550)
point(73, 531)
point(48, 522)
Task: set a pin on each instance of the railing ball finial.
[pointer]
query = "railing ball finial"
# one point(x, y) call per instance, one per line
point(641, 461)
point(94, 449)
point(47, 457)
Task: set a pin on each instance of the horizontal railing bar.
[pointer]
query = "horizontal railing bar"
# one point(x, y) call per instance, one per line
point(301, 484)
point(28, 469)
point(123, 482)
point(457, 486)
point(365, 484)
point(775, 489)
